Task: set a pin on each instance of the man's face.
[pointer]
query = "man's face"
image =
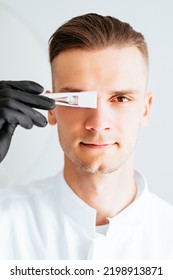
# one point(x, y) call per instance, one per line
point(101, 139)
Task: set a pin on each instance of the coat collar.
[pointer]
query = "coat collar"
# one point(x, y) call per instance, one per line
point(85, 216)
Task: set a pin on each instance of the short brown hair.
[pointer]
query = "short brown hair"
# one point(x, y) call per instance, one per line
point(93, 32)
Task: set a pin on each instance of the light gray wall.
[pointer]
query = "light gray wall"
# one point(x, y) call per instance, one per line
point(25, 27)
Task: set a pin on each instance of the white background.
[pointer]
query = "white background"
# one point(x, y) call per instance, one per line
point(25, 27)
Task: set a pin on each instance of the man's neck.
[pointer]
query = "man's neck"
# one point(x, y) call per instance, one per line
point(107, 193)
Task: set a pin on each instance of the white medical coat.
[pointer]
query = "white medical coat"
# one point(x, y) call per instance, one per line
point(47, 220)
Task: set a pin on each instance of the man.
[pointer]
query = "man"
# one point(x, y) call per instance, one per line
point(98, 207)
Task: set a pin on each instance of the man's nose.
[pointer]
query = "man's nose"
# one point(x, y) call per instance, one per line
point(99, 119)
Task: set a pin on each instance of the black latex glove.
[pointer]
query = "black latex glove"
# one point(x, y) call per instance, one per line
point(16, 101)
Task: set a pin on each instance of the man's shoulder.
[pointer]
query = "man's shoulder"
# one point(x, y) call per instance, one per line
point(31, 190)
point(159, 203)
point(159, 210)
point(154, 204)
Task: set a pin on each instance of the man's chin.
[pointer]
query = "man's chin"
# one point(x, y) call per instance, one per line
point(99, 169)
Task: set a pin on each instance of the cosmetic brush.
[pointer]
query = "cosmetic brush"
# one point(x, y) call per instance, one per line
point(82, 99)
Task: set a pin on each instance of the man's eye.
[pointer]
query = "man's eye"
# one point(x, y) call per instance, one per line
point(120, 99)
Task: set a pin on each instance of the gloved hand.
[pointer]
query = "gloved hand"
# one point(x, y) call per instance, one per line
point(16, 101)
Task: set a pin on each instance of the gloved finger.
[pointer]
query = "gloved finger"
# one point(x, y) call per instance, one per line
point(36, 101)
point(5, 139)
point(14, 117)
point(28, 86)
point(10, 128)
point(37, 118)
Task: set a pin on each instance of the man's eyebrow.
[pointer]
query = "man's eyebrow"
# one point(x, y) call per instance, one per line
point(124, 92)
point(70, 89)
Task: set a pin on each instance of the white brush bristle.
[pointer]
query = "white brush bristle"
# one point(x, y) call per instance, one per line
point(87, 99)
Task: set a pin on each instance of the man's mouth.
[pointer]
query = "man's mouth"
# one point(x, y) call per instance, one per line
point(98, 145)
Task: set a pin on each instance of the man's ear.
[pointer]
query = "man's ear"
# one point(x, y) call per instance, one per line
point(51, 114)
point(147, 109)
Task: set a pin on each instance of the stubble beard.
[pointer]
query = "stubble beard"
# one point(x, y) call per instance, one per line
point(96, 168)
